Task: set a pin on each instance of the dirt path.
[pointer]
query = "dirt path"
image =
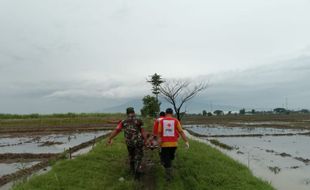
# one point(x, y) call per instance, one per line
point(148, 180)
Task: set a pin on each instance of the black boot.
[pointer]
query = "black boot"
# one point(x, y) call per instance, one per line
point(169, 175)
point(138, 171)
point(132, 167)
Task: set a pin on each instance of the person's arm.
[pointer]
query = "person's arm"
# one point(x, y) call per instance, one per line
point(143, 133)
point(159, 130)
point(115, 132)
point(181, 132)
point(155, 128)
point(185, 139)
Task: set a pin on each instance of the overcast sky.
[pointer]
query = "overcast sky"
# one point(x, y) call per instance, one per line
point(85, 56)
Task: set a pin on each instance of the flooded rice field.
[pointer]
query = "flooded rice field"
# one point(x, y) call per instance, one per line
point(279, 156)
point(13, 167)
point(214, 130)
point(31, 152)
point(54, 143)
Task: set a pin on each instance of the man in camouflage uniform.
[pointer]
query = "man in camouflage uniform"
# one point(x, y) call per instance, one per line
point(135, 138)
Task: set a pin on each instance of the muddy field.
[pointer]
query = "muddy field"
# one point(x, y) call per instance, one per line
point(300, 121)
point(275, 150)
point(22, 127)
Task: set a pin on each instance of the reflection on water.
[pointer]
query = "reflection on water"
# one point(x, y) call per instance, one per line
point(14, 167)
point(58, 142)
point(295, 146)
point(282, 160)
point(220, 130)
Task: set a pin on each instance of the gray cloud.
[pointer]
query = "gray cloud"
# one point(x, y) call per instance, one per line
point(59, 55)
point(265, 87)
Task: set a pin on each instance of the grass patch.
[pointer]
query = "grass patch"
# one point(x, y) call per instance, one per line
point(200, 167)
point(203, 167)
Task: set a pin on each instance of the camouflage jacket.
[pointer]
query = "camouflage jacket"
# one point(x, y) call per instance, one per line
point(132, 131)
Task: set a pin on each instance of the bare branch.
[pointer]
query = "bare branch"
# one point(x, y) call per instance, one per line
point(178, 92)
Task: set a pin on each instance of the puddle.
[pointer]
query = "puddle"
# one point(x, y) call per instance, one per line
point(9, 185)
point(55, 143)
point(14, 167)
point(219, 130)
point(284, 161)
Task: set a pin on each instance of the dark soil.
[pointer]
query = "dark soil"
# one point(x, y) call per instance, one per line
point(222, 145)
point(148, 180)
point(50, 143)
point(8, 157)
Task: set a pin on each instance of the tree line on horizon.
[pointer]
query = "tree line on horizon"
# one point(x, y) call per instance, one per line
point(253, 112)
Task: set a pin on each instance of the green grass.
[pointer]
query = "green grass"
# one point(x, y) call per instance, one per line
point(203, 167)
point(200, 167)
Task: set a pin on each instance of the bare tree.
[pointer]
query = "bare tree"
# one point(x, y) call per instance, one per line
point(178, 92)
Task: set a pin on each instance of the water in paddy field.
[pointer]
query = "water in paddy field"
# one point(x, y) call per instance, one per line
point(14, 167)
point(213, 130)
point(284, 161)
point(39, 144)
point(55, 143)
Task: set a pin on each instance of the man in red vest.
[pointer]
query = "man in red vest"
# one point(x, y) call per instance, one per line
point(169, 129)
point(156, 123)
point(153, 143)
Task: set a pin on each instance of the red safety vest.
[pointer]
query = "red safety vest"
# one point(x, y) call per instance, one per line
point(156, 123)
point(169, 130)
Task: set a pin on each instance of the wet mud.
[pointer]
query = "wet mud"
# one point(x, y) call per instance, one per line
point(222, 145)
point(50, 143)
point(21, 157)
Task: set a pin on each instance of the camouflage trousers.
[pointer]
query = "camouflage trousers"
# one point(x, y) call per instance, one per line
point(135, 154)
